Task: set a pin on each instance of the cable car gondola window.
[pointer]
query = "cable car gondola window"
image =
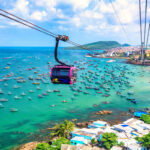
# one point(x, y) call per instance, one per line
point(60, 72)
point(64, 72)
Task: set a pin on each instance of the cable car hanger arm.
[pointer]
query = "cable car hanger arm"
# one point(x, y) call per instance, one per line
point(62, 38)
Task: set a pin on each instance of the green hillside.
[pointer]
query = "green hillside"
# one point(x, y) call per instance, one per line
point(100, 45)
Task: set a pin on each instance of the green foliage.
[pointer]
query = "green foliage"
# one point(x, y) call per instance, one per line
point(121, 144)
point(42, 146)
point(109, 140)
point(63, 129)
point(101, 45)
point(145, 118)
point(144, 141)
point(94, 141)
point(56, 145)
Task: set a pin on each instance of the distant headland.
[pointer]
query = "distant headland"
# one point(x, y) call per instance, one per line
point(100, 45)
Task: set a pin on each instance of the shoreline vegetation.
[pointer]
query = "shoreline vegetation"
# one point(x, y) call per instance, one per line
point(75, 124)
point(61, 134)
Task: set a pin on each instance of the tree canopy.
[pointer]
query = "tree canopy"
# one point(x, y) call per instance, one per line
point(145, 118)
point(56, 144)
point(109, 140)
point(63, 129)
point(144, 141)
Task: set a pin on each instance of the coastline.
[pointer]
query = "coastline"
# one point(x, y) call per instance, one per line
point(137, 63)
point(43, 135)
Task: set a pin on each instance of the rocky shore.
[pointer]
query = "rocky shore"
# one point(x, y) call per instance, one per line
point(101, 114)
point(134, 62)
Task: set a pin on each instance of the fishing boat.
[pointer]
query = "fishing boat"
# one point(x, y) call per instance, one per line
point(86, 92)
point(56, 90)
point(29, 98)
point(45, 93)
point(3, 100)
point(13, 109)
point(40, 96)
point(7, 67)
point(52, 105)
point(31, 91)
point(49, 91)
point(134, 101)
point(5, 84)
point(36, 83)
point(1, 92)
point(17, 97)
point(130, 93)
point(16, 86)
point(72, 98)
point(99, 92)
point(38, 88)
point(75, 94)
point(9, 93)
point(30, 78)
point(23, 94)
point(64, 101)
point(1, 105)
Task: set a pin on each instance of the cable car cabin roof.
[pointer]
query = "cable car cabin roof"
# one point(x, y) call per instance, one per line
point(62, 71)
point(61, 66)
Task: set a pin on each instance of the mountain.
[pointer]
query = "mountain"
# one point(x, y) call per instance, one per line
point(100, 45)
point(126, 45)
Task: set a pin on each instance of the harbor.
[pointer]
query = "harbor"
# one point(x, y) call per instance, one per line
point(102, 84)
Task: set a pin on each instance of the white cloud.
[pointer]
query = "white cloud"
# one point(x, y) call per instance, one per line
point(38, 15)
point(21, 7)
point(79, 4)
point(89, 15)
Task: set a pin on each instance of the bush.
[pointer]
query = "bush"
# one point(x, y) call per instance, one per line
point(121, 144)
point(56, 144)
point(145, 118)
point(109, 140)
point(94, 141)
point(42, 146)
point(144, 141)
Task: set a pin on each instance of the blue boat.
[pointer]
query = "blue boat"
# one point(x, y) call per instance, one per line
point(134, 101)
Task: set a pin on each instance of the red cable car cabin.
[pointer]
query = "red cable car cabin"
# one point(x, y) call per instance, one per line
point(62, 74)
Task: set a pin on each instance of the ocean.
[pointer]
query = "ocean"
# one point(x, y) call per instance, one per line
point(98, 82)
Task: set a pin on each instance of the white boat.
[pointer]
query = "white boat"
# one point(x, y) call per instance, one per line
point(17, 97)
point(13, 109)
point(111, 61)
point(1, 92)
point(9, 93)
point(1, 105)
point(16, 86)
point(29, 98)
point(23, 94)
point(49, 91)
point(3, 100)
point(5, 84)
point(38, 88)
point(31, 91)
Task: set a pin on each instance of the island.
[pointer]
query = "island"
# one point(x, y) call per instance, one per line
point(100, 45)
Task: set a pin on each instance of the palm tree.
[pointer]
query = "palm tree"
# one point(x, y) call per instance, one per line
point(63, 129)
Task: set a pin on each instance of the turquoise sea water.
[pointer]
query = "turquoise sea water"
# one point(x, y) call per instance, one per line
point(95, 75)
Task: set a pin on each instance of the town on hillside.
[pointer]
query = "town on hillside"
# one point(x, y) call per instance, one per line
point(132, 53)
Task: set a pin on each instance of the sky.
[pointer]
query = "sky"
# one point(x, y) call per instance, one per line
point(84, 21)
